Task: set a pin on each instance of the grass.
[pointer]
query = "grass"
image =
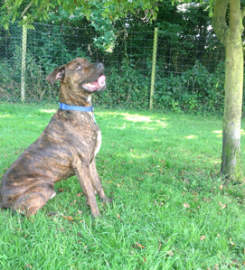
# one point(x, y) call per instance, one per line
point(170, 207)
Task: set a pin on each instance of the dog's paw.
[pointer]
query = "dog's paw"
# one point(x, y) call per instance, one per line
point(95, 212)
point(106, 200)
point(96, 216)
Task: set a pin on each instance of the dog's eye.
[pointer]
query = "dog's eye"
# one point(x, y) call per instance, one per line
point(79, 67)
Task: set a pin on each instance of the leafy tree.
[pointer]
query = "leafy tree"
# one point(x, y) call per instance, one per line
point(227, 23)
point(181, 19)
point(103, 26)
point(33, 9)
point(136, 16)
point(102, 15)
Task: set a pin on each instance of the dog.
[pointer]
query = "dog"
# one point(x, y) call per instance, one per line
point(66, 147)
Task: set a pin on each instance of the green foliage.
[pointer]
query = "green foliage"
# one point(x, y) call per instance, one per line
point(52, 49)
point(180, 17)
point(38, 66)
point(105, 36)
point(192, 91)
point(126, 87)
point(12, 10)
point(196, 90)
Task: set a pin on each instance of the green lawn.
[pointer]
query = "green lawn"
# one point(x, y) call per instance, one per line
point(170, 207)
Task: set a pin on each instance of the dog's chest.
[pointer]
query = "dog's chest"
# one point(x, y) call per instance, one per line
point(78, 130)
point(98, 143)
point(98, 136)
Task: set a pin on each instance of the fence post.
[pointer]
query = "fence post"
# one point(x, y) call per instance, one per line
point(153, 72)
point(23, 60)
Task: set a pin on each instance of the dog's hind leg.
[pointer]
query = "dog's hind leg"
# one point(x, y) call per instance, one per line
point(32, 201)
point(97, 183)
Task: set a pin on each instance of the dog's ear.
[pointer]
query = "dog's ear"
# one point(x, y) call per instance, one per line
point(57, 75)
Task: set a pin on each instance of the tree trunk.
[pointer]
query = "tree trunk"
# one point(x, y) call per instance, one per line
point(231, 37)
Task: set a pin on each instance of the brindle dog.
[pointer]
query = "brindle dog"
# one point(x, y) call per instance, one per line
point(67, 146)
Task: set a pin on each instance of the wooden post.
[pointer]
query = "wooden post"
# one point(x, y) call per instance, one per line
point(23, 60)
point(153, 73)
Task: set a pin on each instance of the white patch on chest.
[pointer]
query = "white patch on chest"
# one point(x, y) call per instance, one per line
point(89, 98)
point(98, 143)
point(53, 194)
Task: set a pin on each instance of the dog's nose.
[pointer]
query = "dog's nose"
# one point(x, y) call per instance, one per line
point(100, 66)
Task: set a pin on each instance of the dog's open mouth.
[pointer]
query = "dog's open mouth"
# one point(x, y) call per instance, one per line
point(96, 85)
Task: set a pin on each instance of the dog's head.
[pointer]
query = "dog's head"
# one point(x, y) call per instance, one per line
point(80, 75)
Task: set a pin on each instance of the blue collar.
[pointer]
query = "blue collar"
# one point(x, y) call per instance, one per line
point(63, 106)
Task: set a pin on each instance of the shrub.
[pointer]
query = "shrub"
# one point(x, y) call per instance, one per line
point(126, 87)
point(193, 90)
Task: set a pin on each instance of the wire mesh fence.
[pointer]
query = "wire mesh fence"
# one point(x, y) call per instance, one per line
point(189, 69)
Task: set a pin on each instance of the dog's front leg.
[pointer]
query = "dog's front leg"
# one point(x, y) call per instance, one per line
point(97, 183)
point(83, 176)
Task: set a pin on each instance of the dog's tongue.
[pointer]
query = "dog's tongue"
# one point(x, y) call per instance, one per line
point(101, 79)
point(93, 86)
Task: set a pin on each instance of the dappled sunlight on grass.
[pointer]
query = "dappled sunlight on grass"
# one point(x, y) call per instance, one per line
point(191, 137)
point(148, 121)
point(148, 128)
point(107, 113)
point(48, 110)
point(219, 133)
point(137, 118)
point(141, 118)
point(139, 155)
point(5, 116)
point(145, 119)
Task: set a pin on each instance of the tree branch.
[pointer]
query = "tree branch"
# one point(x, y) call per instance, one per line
point(219, 19)
point(235, 23)
point(25, 10)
